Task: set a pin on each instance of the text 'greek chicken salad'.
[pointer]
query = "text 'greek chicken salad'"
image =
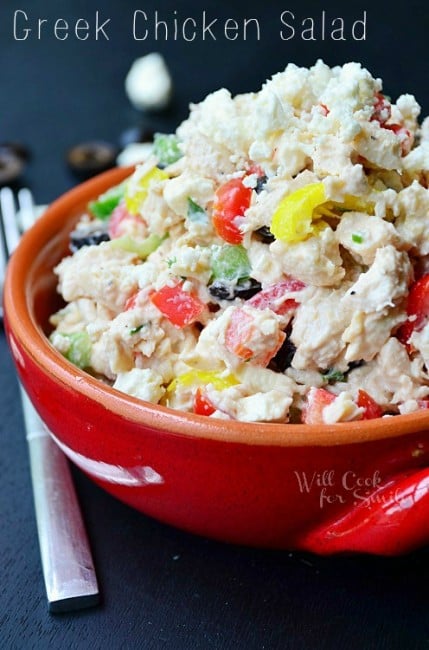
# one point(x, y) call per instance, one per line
point(270, 260)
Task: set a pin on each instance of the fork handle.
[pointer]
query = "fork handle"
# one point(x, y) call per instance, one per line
point(68, 568)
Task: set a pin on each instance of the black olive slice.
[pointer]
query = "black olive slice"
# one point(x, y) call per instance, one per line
point(221, 291)
point(227, 291)
point(90, 234)
point(265, 235)
point(284, 356)
point(247, 288)
point(355, 364)
point(260, 184)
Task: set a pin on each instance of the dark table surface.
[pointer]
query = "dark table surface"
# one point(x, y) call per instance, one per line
point(162, 588)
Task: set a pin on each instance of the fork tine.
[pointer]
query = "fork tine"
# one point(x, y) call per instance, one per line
point(27, 210)
point(10, 224)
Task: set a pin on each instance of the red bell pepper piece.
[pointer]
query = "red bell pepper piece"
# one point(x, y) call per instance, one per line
point(255, 169)
point(405, 136)
point(317, 399)
point(370, 406)
point(242, 332)
point(122, 222)
point(131, 301)
point(383, 112)
point(271, 297)
point(238, 333)
point(180, 307)
point(417, 310)
point(382, 109)
point(202, 404)
point(231, 201)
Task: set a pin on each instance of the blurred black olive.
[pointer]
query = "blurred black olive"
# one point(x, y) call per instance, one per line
point(265, 235)
point(260, 183)
point(90, 158)
point(355, 364)
point(227, 291)
point(11, 167)
point(88, 235)
point(247, 288)
point(18, 149)
point(221, 291)
point(284, 356)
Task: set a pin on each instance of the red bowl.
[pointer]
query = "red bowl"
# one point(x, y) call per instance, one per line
point(361, 486)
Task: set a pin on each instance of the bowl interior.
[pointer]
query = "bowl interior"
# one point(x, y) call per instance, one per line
point(43, 299)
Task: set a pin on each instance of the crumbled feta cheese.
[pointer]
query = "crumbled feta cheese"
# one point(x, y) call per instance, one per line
point(342, 409)
point(279, 326)
point(142, 383)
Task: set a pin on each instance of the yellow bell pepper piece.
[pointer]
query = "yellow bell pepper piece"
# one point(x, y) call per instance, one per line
point(299, 215)
point(351, 203)
point(356, 204)
point(134, 197)
point(318, 226)
point(326, 210)
point(292, 221)
point(202, 378)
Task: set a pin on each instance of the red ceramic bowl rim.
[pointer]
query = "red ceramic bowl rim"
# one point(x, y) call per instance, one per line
point(27, 333)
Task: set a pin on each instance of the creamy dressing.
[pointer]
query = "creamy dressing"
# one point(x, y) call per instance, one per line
point(267, 326)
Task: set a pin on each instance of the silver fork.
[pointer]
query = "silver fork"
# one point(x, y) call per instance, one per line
point(67, 564)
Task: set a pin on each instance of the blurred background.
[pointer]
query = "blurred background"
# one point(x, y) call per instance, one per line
point(56, 93)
